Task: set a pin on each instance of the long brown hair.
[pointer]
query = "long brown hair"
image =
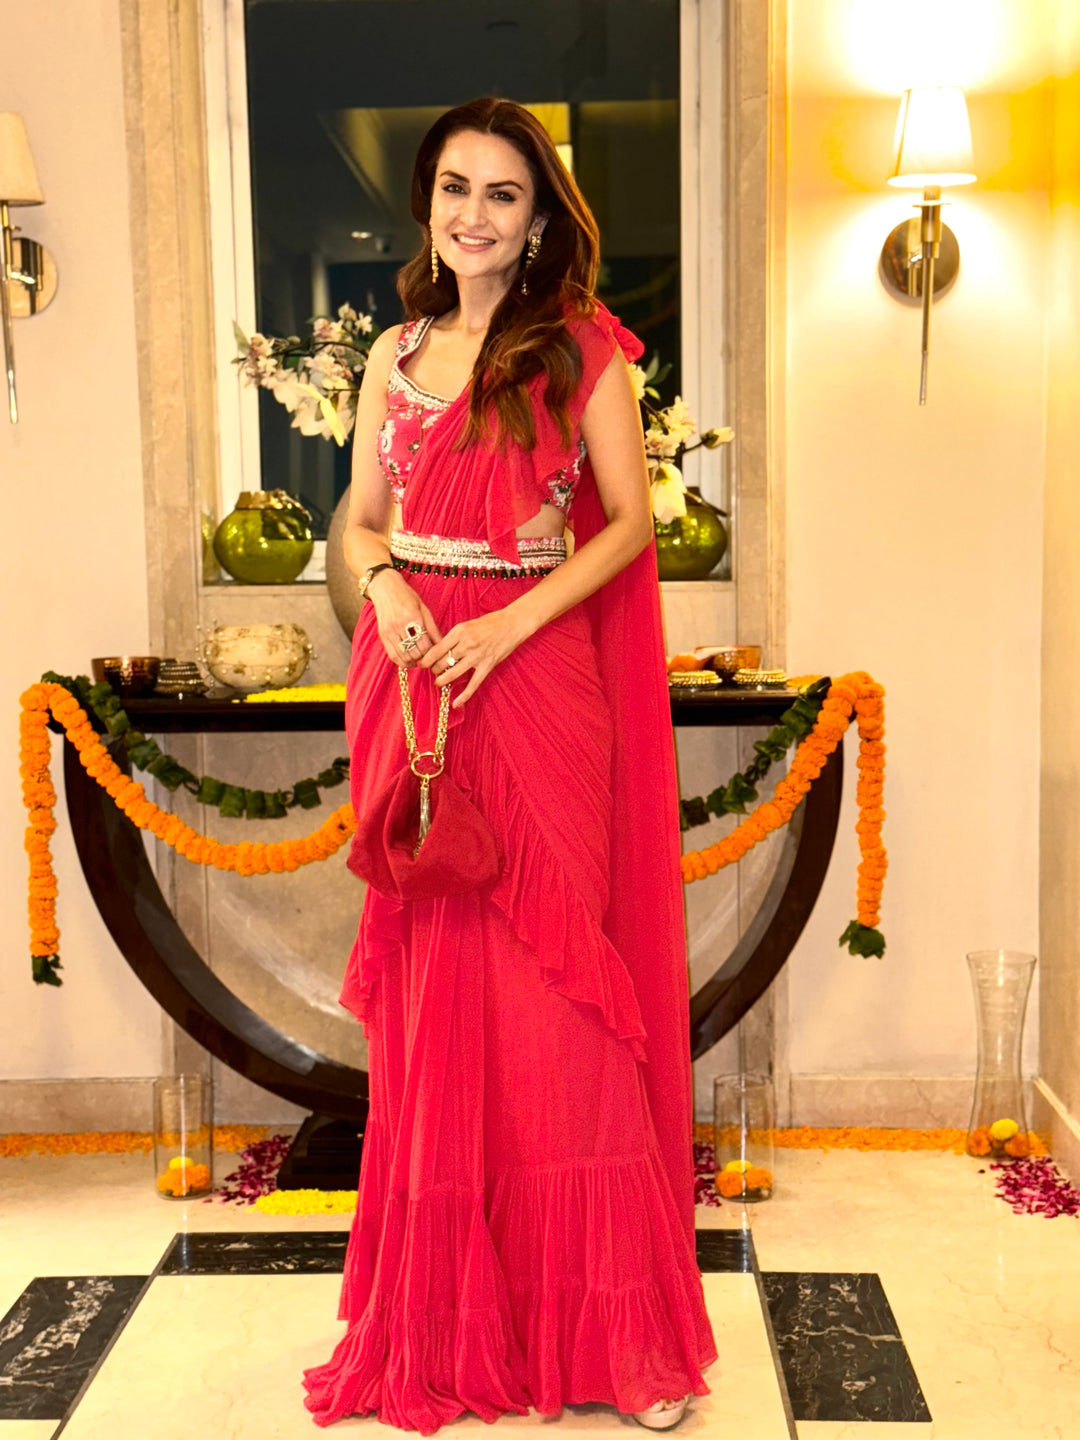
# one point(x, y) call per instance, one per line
point(527, 333)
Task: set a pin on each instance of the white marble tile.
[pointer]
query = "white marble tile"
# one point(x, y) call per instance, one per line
point(985, 1300)
point(227, 1352)
point(101, 1215)
point(745, 1399)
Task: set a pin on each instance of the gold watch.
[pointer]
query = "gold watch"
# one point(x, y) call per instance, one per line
point(369, 575)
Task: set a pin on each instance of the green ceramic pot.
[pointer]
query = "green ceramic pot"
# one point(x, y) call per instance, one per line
point(691, 546)
point(266, 540)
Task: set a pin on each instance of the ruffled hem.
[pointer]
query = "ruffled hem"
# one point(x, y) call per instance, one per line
point(435, 1339)
point(579, 1286)
point(575, 956)
point(604, 1286)
point(417, 1370)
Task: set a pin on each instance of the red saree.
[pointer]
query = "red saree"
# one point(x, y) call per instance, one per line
point(524, 1227)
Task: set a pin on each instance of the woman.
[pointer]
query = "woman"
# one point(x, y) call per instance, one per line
point(524, 1226)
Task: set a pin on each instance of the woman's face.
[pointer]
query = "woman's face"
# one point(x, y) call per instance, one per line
point(482, 206)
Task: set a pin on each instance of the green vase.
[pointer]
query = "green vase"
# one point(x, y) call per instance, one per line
point(266, 540)
point(691, 546)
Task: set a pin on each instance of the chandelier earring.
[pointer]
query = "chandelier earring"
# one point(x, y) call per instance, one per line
point(534, 251)
point(434, 263)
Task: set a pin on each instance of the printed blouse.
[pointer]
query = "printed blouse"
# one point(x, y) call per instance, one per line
point(412, 411)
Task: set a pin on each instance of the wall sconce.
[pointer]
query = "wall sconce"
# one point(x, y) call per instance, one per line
point(933, 148)
point(27, 271)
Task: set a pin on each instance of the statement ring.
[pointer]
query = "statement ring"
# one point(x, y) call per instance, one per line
point(450, 661)
point(407, 643)
point(414, 631)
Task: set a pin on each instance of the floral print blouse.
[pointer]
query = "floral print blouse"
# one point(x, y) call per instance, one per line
point(411, 411)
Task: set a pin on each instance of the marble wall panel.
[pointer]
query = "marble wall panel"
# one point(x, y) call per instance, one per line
point(720, 908)
point(280, 942)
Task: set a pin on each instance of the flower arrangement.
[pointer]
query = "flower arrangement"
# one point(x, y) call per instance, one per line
point(1003, 1139)
point(739, 1180)
point(668, 432)
point(184, 1177)
point(317, 378)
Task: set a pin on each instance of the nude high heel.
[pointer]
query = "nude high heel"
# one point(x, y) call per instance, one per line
point(664, 1415)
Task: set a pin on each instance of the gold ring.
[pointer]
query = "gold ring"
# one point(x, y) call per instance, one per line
point(450, 661)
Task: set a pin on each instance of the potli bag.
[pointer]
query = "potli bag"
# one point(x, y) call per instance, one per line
point(422, 837)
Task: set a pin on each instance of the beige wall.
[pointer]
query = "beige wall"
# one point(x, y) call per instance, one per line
point(1060, 830)
point(73, 582)
point(914, 535)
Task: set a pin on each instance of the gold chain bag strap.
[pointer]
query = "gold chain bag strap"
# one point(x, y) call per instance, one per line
point(416, 754)
point(422, 837)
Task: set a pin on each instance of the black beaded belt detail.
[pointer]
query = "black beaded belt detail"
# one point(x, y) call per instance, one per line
point(416, 567)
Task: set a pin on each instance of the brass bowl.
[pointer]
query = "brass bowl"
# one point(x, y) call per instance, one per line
point(727, 660)
point(129, 675)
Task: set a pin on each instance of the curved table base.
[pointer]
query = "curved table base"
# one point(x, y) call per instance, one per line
point(126, 892)
point(130, 901)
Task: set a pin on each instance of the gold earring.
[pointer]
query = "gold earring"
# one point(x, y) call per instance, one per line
point(534, 251)
point(434, 263)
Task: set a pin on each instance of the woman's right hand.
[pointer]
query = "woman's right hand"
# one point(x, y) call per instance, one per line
point(397, 605)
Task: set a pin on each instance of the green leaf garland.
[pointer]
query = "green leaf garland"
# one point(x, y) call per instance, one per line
point(732, 799)
point(234, 802)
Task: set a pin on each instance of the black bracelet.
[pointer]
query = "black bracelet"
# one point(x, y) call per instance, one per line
point(370, 574)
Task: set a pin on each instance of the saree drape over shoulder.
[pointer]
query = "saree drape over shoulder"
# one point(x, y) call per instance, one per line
point(524, 1227)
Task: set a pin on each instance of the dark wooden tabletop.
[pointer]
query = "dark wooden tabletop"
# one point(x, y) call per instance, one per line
point(714, 705)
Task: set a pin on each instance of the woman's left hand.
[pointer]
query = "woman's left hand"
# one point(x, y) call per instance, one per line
point(477, 645)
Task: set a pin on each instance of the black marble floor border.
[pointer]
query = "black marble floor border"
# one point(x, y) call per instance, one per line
point(51, 1339)
point(108, 1348)
point(256, 1252)
point(840, 1347)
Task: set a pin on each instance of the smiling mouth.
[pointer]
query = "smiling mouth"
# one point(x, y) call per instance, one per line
point(472, 242)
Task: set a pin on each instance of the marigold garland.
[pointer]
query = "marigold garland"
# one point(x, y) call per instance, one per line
point(230, 1139)
point(855, 694)
point(869, 1137)
point(246, 858)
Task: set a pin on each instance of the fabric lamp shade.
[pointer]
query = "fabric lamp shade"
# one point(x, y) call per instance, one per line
point(933, 138)
point(18, 178)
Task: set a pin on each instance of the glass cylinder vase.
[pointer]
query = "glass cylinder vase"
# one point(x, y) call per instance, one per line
point(998, 1127)
point(743, 1119)
point(183, 1136)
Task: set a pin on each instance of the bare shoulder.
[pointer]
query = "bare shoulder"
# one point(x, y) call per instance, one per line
point(380, 360)
point(384, 345)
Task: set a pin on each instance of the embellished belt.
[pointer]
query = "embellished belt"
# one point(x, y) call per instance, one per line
point(442, 555)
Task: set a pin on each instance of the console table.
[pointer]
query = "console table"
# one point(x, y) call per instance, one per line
point(133, 907)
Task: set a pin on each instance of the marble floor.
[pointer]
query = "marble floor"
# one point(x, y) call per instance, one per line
point(875, 1295)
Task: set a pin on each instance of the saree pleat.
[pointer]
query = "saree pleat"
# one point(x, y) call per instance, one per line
point(521, 1234)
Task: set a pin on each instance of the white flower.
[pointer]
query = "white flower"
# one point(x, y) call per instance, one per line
point(259, 346)
point(659, 444)
point(637, 379)
point(346, 312)
point(287, 388)
point(667, 492)
point(364, 324)
point(676, 419)
point(328, 330)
